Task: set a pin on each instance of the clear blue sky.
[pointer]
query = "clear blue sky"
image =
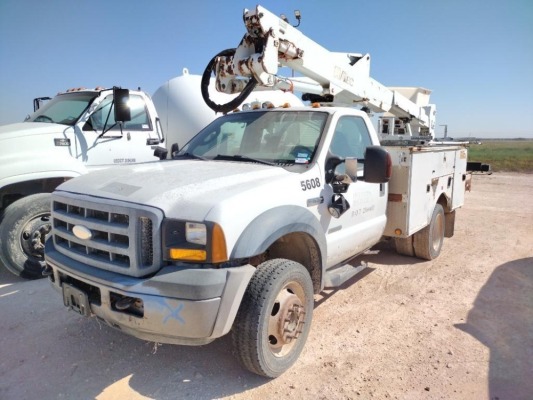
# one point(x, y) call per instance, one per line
point(476, 55)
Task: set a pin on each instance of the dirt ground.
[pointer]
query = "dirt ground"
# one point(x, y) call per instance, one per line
point(460, 327)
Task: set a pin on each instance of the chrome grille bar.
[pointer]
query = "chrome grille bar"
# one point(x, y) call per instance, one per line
point(122, 237)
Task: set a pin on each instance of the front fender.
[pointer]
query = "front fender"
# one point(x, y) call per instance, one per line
point(271, 225)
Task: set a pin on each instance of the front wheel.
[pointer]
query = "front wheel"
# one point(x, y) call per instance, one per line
point(274, 318)
point(23, 231)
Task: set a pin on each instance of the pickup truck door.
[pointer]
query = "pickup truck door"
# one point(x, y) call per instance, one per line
point(133, 145)
point(361, 226)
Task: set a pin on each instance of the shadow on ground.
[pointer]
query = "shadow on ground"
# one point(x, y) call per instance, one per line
point(502, 319)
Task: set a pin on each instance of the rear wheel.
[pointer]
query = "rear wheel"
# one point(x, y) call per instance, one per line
point(274, 318)
point(23, 231)
point(404, 246)
point(427, 242)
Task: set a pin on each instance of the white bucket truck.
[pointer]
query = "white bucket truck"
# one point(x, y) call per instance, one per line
point(262, 209)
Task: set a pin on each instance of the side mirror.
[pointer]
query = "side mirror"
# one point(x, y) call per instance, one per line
point(378, 165)
point(160, 152)
point(341, 170)
point(174, 149)
point(350, 169)
point(122, 108)
point(39, 102)
point(331, 167)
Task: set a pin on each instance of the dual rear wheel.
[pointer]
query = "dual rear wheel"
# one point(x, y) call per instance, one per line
point(426, 243)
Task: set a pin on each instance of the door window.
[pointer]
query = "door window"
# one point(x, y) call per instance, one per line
point(351, 138)
point(140, 120)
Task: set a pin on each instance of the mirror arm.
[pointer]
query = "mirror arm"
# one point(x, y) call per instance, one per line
point(159, 130)
point(106, 128)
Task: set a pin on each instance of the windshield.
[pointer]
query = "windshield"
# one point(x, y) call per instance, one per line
point(279, 137)
point(64, 108)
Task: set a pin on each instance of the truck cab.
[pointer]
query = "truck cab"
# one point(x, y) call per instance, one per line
point(83, 121)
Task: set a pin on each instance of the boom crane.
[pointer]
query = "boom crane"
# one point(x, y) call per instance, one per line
point(328, 76)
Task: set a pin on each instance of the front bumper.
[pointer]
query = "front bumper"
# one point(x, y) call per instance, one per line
point(179, 305)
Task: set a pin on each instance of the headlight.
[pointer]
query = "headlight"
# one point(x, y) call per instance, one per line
point(196, 233)
point(193, 241)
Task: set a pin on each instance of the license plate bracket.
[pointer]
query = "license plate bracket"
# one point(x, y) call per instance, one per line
point(76, 300)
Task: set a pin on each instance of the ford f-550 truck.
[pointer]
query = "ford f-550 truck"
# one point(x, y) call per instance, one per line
point(261, 210)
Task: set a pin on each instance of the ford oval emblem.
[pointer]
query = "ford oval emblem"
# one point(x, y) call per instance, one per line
point(82, 232)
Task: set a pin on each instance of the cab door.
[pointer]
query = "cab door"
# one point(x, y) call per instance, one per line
point(133, 144)
point(361, 226)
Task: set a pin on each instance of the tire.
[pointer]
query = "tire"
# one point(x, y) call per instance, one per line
point(23, 231)
point(404, 246)
point(274, 318)
point(428, 242)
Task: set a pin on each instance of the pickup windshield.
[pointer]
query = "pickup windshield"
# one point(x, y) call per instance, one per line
point(269, 137)
point(64, 109)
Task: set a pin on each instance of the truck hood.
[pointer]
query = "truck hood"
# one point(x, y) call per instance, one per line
point(181, 189)
point(22, 129)
point(28, 151)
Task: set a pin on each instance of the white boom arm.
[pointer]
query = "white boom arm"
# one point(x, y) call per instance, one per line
point(344, 77)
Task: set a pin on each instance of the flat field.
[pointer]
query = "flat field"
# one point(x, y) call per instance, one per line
point(504, 155)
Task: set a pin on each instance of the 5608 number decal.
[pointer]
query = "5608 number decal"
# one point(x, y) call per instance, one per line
point(310, 184)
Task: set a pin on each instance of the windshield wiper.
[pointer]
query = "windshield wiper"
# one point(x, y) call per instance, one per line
point(242, 158)
point(189, 155)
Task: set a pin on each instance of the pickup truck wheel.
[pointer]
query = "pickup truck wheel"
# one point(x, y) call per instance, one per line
point(274, 318)
point(428, 241)
point(23, 231)
point(404, 246)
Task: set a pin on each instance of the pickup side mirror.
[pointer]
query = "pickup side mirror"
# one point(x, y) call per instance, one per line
point(378, 165)
point(122, 108)
point(331, 165)
point(345, 174)
point(39, 102)
point(161, 153)
point(340, 173)
point(350, 169)
point(174, 149)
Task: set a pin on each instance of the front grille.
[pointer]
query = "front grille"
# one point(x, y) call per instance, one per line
point(123, 237)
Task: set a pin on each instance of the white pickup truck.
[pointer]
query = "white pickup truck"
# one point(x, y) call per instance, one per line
point(75, 133)
point(261, 210)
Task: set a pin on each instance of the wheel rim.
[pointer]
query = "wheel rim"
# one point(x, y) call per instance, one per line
point(437, 232)
point(33, 236)
point(287, 318)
